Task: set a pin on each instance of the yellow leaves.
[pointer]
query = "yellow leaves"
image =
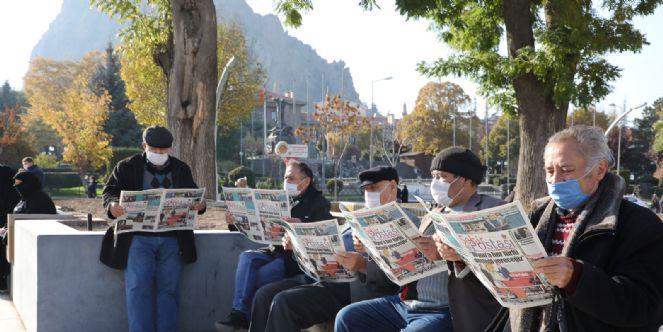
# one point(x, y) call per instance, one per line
point(59, 95)
point(145, 87)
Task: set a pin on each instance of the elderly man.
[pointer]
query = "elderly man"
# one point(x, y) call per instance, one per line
point(606, 260)
point(456, 173)
point(152, 261)
point(422, 305)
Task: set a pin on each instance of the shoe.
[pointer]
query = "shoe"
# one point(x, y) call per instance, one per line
point(235, 320)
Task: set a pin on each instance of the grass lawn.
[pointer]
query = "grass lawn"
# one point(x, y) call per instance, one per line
point(74, 192)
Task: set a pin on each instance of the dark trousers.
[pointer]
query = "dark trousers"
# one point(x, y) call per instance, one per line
point(293, 304)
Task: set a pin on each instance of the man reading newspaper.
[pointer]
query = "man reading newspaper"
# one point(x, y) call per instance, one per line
point(456, 173)
point(605, 252)
point(149, 259)
point(422, 305)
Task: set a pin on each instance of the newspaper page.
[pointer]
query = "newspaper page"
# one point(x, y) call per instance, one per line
point(272, 207)
point(142, 210)
point(388, 233)
point(500, 246)
point(242, 207)
point(315, 246)
point(158, 210)
point(177, 212)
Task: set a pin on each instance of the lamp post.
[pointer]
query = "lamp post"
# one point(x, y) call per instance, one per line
point(370, 148)
point(619, 137)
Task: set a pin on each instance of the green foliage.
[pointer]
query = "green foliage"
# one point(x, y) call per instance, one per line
point(62, 180)
point(267, 184)
point(121, 124)
point(46, 161)
point(335, 186)
point(497, 144)
point(121, 153)
point(241, 172)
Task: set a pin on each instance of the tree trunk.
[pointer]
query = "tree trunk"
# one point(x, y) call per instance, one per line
point(192, 89)
point(538, 115)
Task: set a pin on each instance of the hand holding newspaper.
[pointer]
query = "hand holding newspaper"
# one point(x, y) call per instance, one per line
point(389, 236)
point(499, 246)
point(158, 210)
point(315, 246)
point(257, 213)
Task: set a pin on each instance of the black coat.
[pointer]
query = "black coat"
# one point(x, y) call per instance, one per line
point(128, 175)
point(33, 199)
point(8, 195)
point(621, 284)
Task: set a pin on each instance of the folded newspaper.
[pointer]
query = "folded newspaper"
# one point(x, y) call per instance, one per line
point(499, 246)
point(158, 210)
point(388, 235)
point(257, 213)
point(315, 246)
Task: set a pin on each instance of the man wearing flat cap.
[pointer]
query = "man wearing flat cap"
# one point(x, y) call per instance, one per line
point(422, 305)
point(149, 260)
point(456, 173)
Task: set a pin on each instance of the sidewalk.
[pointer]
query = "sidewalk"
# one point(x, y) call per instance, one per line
point(9, 319)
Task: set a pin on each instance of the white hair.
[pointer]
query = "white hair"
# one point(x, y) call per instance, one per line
point(593, 144)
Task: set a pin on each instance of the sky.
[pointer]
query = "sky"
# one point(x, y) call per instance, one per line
point(374, 45)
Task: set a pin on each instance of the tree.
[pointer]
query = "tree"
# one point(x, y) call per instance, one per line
point(181, 37)
point(59, 94)
point(639, 158)
point(589, 116)
point(429, 128)
point(121, 124)
point(14, 144)
point(555, 56)
point(498, 153)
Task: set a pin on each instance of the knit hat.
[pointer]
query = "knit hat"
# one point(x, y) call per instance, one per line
point(459, 161)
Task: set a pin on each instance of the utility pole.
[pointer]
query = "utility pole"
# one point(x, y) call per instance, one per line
point(486, 138)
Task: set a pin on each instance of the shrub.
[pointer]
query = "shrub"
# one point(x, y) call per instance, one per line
point(335, 185)
point(56, 180)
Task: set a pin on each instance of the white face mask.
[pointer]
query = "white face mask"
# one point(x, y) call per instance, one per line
point(291, 188)
point(157, 159)
point(440, 191)
point(372, 199)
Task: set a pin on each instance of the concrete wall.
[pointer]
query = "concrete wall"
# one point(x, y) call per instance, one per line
point(58, 283)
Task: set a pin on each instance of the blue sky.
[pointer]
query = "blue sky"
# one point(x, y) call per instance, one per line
point(373, 44)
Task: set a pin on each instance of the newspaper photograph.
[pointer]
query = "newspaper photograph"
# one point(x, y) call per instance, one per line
point(176, 211)
point(272, 207)
point(242, 208)
point(315, 246)
point(158, 210)
point(387, 234)
point(500, 246)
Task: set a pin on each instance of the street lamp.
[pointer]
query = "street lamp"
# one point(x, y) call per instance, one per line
point(619, 137)
point(370, 148)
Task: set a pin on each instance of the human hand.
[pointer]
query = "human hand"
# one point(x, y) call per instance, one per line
point(202, 205)
point(292, 220)
point(352, 261)
point(427, 245)
point(229, 218)
point(116, 210)
point(557, 269)
point(359, 247)
point(286, 241)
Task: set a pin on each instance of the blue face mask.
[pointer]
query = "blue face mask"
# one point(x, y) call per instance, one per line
point(567, 194)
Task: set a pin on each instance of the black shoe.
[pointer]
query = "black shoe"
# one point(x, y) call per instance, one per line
point(236, 319)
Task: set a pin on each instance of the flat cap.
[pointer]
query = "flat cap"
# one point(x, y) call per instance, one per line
point(377, 174)
point(158, 137)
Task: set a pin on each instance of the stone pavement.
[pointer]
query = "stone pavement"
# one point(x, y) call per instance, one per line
point(9, 319)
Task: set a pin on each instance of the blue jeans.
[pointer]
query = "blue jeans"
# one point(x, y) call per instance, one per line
point(254, 270)
point(152, 259)
point(390, 314)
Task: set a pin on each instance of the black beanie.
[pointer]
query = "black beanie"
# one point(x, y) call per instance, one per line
point(459, 161)
point(158, 137)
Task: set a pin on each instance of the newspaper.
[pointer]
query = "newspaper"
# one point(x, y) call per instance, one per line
point(499, 245)
point(158, 210)
point(258, 213)
point(242, 207)
point(387, 233)
point(315, 246)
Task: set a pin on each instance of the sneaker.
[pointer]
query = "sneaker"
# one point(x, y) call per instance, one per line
point(235, 320)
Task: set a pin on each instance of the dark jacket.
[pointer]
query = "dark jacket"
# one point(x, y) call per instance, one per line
point(36, 170)
point(472, 306)
point(8, 195)
point(128, 175)
point(33, 199)
point(619, 246)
